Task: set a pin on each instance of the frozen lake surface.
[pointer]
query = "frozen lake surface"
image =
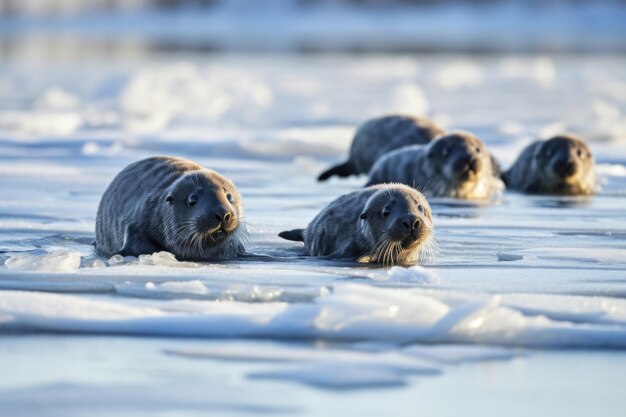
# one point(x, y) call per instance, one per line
point(522, 310)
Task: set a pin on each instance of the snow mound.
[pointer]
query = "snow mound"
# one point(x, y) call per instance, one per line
point(187, 287)
point(56, 261)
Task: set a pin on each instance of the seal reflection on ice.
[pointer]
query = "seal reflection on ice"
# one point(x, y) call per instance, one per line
point(174, 205)
point(387, 224)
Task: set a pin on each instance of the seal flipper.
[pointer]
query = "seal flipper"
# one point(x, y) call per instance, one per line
point(135, 244)
point(341, 170)
point(295, 235)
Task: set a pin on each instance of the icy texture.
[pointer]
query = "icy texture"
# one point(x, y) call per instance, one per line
point(57, 261)
point(349, 312)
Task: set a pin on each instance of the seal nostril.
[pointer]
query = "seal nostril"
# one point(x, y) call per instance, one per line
point(406, 224)
point(416, 225)
point(218, 217)
point(227, 217)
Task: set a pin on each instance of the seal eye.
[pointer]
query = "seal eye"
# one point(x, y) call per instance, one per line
point(477, 150)
point(192, 200)
point(445, 151)
point(230, 198)
point(580, 153)
point(385, 213)
point(421, 208)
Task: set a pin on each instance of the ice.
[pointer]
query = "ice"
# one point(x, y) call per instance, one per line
point(545, 71)
point(616, 170)
point(139, 399)
point(187, 287)
point(56, 261)
point(156, 97)
point(409, 99)
point(522, 278)
point(460, 74)
point(349, 312)
point(340, 368)
point(415, 275)
point(57, 99)
point(164, 259)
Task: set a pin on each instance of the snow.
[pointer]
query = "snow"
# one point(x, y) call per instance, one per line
point(516, 281)
point(57, 261)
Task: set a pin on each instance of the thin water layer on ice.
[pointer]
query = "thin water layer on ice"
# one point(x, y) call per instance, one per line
point(516, 285)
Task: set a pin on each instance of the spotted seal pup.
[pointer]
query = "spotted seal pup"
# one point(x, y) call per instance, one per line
point(562, 165)
point(174, 205)
point(387, 224)
point(379, 136)
point(456, 165)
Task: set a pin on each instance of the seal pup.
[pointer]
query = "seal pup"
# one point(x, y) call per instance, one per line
point(387, 224)
point(174, 205)
point(379, 136)
point(456, 165)
point(562, 165)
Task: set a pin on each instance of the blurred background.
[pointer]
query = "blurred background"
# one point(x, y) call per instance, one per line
point(44, 27)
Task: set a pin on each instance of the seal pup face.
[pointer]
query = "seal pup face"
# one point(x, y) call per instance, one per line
point(205, 209)
point(397, 220)
point(564, 165)
point(463, 167)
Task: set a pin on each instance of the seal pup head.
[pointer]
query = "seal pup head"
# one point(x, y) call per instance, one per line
point(203, 212)
point(563, 165)
point(462, 167)
point(397, 220)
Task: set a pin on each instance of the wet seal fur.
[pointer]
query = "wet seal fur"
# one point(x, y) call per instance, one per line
point(174, 205)
point(562, 165)
point(387, 224)
point(456, 165)
point(381, 135)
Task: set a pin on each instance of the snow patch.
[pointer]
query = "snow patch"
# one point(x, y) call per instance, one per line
point(460, 74)
point(185, 287)
point(57, 261)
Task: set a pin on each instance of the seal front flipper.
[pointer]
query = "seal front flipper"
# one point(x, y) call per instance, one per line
point(295, 235)
point(135, 244)
point(341, 170)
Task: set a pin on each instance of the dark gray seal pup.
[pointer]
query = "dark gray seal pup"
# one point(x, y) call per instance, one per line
point(562, 165)
point(456, 165)
point(174, 205)
point(388, 224)
point(378, 136)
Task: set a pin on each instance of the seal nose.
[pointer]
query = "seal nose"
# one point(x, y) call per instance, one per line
point(565, 168)
point(222, 214)
point(467, 163)
point(411, 222)
point(474, 165)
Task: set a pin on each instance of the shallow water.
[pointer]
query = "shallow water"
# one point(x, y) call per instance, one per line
point(516, 286)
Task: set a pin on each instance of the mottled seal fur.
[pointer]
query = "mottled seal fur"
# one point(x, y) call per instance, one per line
point(378, 136)
point(387, 224)
point(562, 165)
point(456, 165)
point(174, 205)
